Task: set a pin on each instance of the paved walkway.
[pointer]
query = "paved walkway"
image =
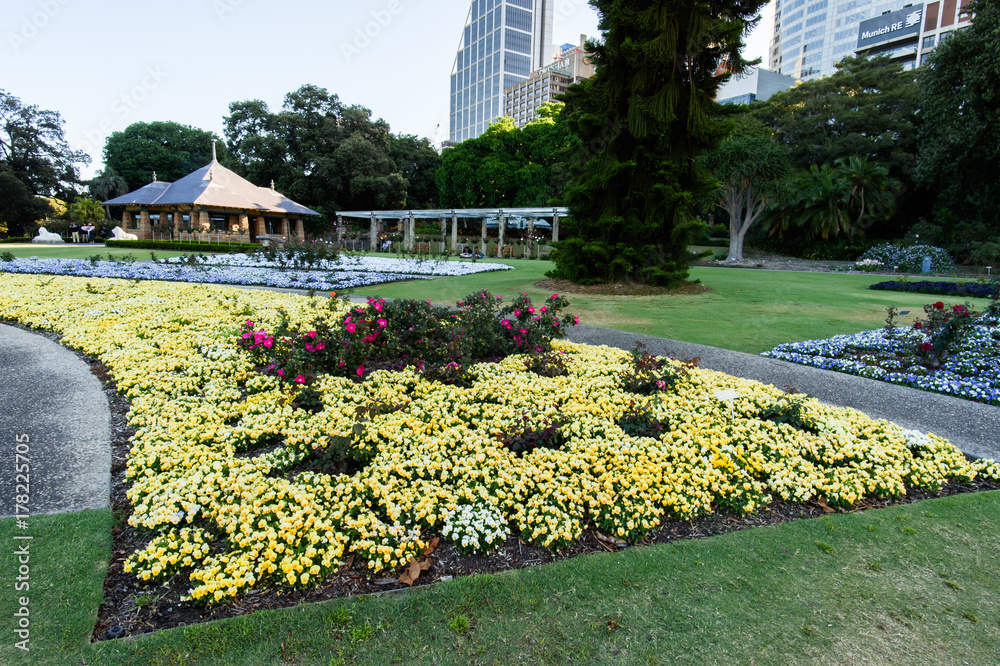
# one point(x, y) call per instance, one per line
point(972, 427)
point(49, 397)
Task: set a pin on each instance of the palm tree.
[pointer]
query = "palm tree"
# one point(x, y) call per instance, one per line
point(872, 192)
point(107, 185)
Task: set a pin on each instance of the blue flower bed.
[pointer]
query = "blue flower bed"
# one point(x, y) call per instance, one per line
point(237, 275)
point(971, 372)
point(960, 289)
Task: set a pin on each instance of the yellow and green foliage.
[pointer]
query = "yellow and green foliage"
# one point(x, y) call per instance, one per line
point(223, 466)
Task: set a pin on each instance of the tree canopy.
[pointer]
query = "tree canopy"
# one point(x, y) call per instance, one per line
point(642, 119)
point(170, 149)
point(329, 156)
point(507, 165)
point(867, 108)
point(33, 146)
point(18, 206)
point(960, 138)
point(748, 165)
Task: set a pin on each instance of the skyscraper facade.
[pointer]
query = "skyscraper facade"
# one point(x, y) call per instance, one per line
point(503, 42)
point(811, 36)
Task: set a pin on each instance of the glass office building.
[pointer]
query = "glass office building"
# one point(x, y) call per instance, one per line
point(503, 42)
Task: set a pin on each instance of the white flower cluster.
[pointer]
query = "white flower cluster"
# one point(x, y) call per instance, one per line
point(916, 439)
point(475, 528)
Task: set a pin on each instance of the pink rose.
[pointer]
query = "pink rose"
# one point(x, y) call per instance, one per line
point(361, 371)
point(300, 380)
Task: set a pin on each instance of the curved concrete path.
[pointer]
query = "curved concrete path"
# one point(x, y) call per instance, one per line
point(49, 397)
point(972, 427)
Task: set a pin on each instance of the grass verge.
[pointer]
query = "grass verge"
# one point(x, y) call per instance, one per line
point(69, 251)
point(915, 584)
point(747, 310)
point(67, 562)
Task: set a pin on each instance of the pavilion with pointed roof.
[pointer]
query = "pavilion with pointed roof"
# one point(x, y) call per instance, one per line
point(211, 201)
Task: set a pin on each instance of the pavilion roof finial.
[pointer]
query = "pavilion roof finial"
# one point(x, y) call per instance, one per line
point(213, 150)
point(272, 183)
point(154, 176)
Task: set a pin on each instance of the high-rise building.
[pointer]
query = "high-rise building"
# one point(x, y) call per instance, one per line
point(504, 41)
point(811, 36)
point(523, 99)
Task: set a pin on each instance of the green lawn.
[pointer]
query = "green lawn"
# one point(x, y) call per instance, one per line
point(913, 584)
point(747, 310)
point(70, 251)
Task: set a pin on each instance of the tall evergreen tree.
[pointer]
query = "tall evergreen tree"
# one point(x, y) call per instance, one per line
point(642, 118)
point(960, 135)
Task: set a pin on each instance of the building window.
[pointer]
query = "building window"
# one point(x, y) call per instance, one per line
point(518, 19)
point(517, 41)
point(929, 42)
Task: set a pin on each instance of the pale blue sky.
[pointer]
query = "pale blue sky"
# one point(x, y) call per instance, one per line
point(104, 64)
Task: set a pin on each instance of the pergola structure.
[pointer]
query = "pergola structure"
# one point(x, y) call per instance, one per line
point(503, 215)
point(213, 191)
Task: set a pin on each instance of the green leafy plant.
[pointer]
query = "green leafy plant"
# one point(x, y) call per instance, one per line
point(532, 436)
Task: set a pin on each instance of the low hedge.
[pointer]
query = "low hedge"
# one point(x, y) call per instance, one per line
point(16, 239)
point(959, 289)
point(184, 246)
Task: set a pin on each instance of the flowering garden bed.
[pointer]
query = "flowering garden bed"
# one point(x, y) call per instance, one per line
point(242, 486)
point(955, 351)
point(942, 288)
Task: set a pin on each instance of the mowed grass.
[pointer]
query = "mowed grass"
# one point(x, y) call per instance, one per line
point(67, 562)
point(747, 310)
point(912, 584)
point(73, 251)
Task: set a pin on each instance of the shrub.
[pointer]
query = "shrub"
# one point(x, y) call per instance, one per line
point(957, 289)
point(909, 259)
point(16, 239)
point(438, 342)
point(183, 246)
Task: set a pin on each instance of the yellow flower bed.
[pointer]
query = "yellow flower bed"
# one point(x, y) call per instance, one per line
point(215, 443)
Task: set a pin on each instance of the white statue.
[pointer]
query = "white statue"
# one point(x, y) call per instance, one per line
point(47, 237)
point(119, 234)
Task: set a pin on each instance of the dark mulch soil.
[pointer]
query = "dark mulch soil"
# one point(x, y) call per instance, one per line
point(622, 288)
point(132, 608)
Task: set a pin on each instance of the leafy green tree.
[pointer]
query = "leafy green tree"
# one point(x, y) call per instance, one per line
point(642, 119)
point(867, 108)
point(33, 146)
point(86, 210)
point(170, 149)
point(107, 185)
point(749, 165)
point(507, 165)
point(833, 201)
point(322, 153)
point(417, 162)
point(18, 206)
point(960, 137)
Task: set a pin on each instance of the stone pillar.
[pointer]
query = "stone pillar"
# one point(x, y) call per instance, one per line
point(232, 223)
point(285, 229)
point(261, 226)
point(405, 223)
point(500, 230)
point(126, 221)
point(531, 232)
point(412, 226)
point(454, 234)
point(145, 228)
point(482, 238)
point(204, 222)
point(373, 234)
point(555, 228)
point(300, 230)
point(178, 222)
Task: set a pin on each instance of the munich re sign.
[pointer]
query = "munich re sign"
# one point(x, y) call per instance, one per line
point(887, 27)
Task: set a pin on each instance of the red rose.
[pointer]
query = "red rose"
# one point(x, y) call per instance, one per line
point(939, 306)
